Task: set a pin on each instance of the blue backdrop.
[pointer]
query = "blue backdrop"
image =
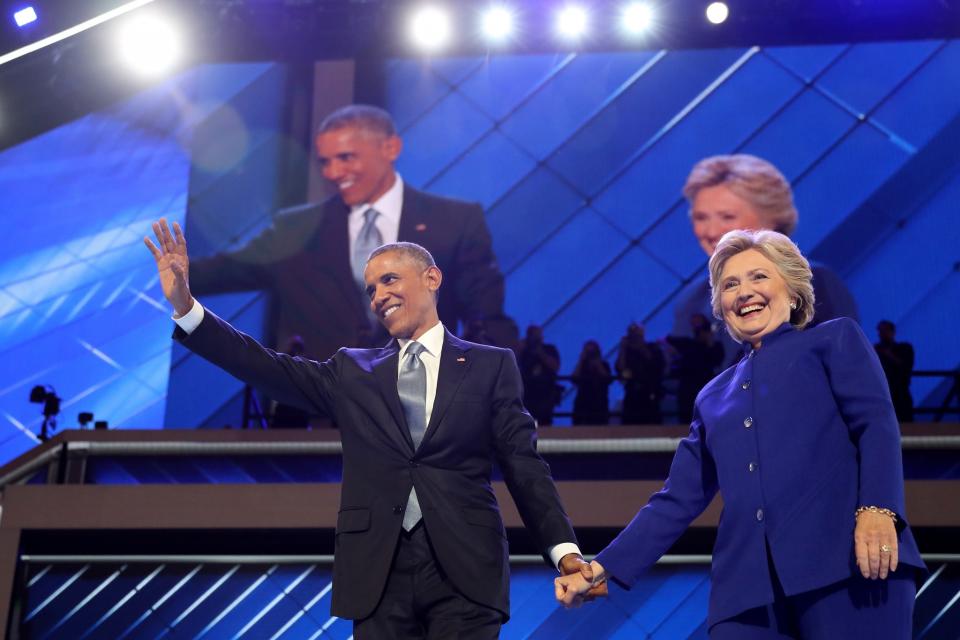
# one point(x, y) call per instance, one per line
point(578, 158)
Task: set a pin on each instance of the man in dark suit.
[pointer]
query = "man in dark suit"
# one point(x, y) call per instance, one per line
point(311, 259)
point(420, 545)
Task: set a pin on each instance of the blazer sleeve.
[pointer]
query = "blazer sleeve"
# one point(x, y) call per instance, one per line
point(863, 397)
point(479, 288)
point(527, 474)
point(295, 381)
point(254, 265)
point(688, 490)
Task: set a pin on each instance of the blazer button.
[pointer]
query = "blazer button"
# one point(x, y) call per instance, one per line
point(745, 385)
point(414, 463)
point(397, 509)
point(759, 515)
point(752, 466)
point(748, 422)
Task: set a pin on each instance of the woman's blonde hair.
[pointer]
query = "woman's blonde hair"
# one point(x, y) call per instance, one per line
point(754, 180)
point(783, 253)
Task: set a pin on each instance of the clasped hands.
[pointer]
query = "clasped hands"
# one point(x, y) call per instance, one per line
point(581, 581)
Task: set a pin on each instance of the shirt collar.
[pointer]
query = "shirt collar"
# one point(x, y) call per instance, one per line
point(770, 337)
point(388, 205)
point(432, 341)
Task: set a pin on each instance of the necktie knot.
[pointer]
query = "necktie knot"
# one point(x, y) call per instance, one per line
point(370, 216)
point(415, 349)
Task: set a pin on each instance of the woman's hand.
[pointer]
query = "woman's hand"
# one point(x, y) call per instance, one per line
point(875, 544)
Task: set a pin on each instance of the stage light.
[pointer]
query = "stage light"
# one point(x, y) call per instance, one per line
point(717, 12)
point(430, 28)
point(636, 17)
point(25, 16)
point(572, 22)
point(149, 45)
point(497, 23)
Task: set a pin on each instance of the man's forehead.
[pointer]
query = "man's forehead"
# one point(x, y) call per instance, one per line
point(390, 260)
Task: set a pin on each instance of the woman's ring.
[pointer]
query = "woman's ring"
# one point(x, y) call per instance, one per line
point(884, 548)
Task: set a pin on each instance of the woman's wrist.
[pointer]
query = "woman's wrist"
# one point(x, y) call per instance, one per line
point(599, 573)
point(873, 509)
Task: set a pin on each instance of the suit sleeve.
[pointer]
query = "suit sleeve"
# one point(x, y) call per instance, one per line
point(863, 397)
point(299, 382)
point(479, 288)
point(527, 475)
point(254, 266)
point(688, 490)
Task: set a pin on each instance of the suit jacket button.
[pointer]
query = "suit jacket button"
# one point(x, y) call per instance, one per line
point(397, 509)
point(752, 466)
point(413, 463)
point(745, 385)
point(748, 422)
point(759, 515)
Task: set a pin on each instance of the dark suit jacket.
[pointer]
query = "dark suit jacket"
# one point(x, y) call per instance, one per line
point(303, 259)
point(833, 300)
point(477, 418)
point(795, 437)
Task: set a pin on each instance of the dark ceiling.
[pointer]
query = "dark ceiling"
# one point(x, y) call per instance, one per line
point(67, 80)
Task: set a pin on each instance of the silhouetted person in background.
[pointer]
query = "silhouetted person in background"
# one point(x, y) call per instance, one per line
point(592, 377)
point(696, 363)
point(640, 364)
point(897, 361)
point(539, 363)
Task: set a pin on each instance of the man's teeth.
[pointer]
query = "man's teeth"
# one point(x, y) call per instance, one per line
point(753, 307)
point(346, 185)
point(390, 310)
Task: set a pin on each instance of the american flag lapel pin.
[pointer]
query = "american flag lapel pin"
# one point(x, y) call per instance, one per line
point(461, 359)
point(421, 227)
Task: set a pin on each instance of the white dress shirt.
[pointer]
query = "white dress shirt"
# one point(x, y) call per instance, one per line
point(432, 342)
point(388, 222)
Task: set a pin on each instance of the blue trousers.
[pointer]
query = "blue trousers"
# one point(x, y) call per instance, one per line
point(852, 608)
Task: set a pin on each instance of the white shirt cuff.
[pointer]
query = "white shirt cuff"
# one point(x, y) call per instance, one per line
point(556, 553)
point(191, 319)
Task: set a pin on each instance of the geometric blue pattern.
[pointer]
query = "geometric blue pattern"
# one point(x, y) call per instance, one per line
point(73, 601)
point(579, 161)
point(80, 305)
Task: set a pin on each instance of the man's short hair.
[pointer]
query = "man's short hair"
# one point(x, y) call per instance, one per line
point(362, 116)
point(410, 250)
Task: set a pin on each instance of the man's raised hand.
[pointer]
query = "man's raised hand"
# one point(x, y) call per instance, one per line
point(173, 266)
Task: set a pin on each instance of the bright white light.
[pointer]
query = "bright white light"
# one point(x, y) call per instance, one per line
point(717, 12)
point(149, 45)
point(430, 28)
point(636, 17)
point(572, 22)
point(497, 24)
point(25, 16)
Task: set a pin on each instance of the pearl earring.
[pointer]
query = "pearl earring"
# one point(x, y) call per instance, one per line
point(793, 305)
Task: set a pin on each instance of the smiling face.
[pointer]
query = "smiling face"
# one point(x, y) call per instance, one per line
point(358, 161)
point(715, 211)
point(754, 297)
point(403, 294)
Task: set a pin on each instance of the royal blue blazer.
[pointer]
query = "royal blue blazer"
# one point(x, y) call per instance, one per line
point(795, 437)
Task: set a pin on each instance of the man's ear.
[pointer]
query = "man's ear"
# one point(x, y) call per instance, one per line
point(433, 278)
point(391, 148)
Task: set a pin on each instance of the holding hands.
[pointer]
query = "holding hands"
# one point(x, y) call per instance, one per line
point(173, 266)
point(579, 584)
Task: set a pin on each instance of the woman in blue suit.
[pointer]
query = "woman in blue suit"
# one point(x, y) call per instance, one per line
point(801, 439)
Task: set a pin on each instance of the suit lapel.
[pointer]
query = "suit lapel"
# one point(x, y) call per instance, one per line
point(385, 371)
point(454, 363)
